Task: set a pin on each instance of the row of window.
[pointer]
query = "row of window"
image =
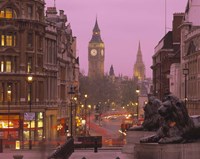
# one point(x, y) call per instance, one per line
point(8, 13)
point(7, 90)
point(8, 40)
point(9, 65)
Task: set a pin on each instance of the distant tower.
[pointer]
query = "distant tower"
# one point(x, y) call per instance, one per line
point(139, 67)
point(111, 72)
point(96, 54)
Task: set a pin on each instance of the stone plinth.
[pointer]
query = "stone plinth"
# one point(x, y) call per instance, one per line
point(18, 156)
point(167, 151)
point(134, 137)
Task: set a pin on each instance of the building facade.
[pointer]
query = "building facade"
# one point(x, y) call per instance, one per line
point(96, 54)
point(166, 53)
point(190, 57)
point(30, 44)
point(175, 78)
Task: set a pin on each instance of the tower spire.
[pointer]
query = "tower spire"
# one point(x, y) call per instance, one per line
point(96, 27)
point(139, 48)
point(139, 67)
point(96, 37)
point(139, 54)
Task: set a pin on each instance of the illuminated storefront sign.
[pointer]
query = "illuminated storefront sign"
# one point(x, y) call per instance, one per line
point(29, 116)
point(9, 126)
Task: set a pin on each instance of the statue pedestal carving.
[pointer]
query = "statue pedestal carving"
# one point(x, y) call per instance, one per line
point(134, 137)
point(167, 151)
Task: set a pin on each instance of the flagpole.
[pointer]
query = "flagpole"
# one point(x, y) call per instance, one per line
point(165, 17)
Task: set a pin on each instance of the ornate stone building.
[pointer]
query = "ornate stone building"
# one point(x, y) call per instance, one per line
point(96, 54)
point(139, 67)
point(31, 44)
point(22, 53)
point(190, 57)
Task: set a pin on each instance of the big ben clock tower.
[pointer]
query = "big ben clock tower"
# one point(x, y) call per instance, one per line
point(96, 54)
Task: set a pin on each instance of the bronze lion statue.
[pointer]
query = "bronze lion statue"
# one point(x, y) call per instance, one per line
point(177, 126)
point(152, 119)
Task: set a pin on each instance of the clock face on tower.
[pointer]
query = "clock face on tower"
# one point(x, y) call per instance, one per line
point(93, 52)
point(102, 52)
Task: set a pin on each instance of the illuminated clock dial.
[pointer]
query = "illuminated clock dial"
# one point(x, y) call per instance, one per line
point(102, 52)
point(93, 52)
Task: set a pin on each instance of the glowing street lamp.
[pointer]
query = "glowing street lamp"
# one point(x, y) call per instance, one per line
point(89, 106)
point(85, 113)
point(71, 92)
point(185, 73)
point(137, 92)
point(9, 99)
point(30, 80)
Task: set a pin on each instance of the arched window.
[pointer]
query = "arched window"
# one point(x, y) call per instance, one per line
point(8, 13)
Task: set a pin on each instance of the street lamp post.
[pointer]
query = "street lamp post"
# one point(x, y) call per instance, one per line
point(85, 114)
point(75, 111)
point(185, 72)
point(137, 92)
point(89, 106)
point(71, 92)
point(30, 80)
point(9, 98)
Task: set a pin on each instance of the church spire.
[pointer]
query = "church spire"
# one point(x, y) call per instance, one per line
point(139, 47)
point(139, 55)
point(139, 67)
point(111, 72)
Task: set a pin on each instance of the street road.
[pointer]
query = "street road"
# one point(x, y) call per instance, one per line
point(108, 128)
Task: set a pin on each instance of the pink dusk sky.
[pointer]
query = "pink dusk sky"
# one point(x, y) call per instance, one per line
point(123, 23)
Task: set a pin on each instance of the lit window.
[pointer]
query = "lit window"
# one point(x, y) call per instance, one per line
point(9, 13)
point(1, 14)
point(29, 65)
point(40, 115)
point(9, 92)
point(9, 40)
point(2, 40)
point(8, 66)
point(29, 68)
point(40, 124)
point(2, 66)
point(29, 96)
